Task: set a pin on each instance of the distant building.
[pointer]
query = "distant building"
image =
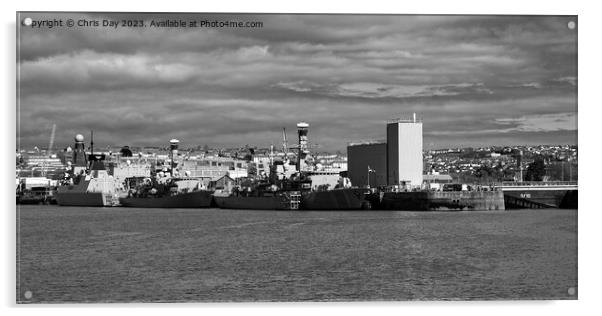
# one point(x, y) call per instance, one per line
point(404, 152)
point(396, 161)
point(262, 164)
point(364, 155)
point(436, 181)
point(222, 183)
point(437, 178)
point(214, 168)
point(122, 168)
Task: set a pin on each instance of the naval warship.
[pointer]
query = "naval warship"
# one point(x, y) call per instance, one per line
point(261, 194)
point(166, 192)
point(284, 190)
point(163, 189)
point(86, 181)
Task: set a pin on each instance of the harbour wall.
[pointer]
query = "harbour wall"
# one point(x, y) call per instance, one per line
point(439, 201)
point(520, 198)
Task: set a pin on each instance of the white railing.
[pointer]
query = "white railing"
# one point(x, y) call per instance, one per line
point(535, 183)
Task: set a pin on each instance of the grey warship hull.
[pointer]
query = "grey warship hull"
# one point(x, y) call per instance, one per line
point(196, 199)
point(337, 199)
point(83, 199)
point(281, 202)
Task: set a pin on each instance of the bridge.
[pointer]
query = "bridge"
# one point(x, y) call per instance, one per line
point(513, 202)
point(536, 185)
point(539, 194)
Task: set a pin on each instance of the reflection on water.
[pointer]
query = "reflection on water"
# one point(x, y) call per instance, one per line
point(74, 254)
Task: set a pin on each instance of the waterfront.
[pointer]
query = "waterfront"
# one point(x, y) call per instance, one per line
point(74, 254)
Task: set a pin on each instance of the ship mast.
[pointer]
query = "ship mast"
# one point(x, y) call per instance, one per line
point(173, 151)
point(284, 142)
point(92, 142)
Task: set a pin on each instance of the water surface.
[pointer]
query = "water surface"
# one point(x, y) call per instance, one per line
point(76, 254)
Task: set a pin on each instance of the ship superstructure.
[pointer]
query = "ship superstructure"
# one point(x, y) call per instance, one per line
point(87, 182)
point(166, 189)
point(303, 187)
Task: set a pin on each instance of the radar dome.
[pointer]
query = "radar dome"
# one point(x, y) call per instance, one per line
point(79, 138)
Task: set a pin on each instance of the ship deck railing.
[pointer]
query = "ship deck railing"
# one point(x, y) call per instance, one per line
point(535, 183)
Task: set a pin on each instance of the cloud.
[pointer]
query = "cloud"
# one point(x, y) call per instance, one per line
point(372, 90)
point(343, 74)
point(535, 85)
point(541, 123)
point(571, 80)
point(554, 122)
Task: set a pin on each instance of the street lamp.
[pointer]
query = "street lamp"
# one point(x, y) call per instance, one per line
point(369, 171)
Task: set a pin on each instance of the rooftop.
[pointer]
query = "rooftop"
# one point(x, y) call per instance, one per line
point(411, 119)
point(430, 177)
point(367, 142)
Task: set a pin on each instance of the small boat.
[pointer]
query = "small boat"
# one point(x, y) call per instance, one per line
point(166, 192)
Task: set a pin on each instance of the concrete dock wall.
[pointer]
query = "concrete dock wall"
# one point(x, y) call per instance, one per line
point(467, 200)
point(441, 201)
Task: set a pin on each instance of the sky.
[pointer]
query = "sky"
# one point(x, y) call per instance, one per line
point(473, 80)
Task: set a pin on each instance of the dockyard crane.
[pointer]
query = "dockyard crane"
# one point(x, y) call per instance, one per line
point(284, 142)
point(49, 151)
point(51, 143)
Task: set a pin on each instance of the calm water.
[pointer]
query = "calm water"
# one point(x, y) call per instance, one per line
point(72, 254)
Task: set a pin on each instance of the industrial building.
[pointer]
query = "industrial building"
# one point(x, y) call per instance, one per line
point(367, 163)
point(398, 161)
point(404, 152)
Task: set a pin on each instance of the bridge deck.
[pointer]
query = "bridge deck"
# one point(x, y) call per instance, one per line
point(538, 185)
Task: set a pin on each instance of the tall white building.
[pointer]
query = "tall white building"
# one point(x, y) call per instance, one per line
point(404, 152)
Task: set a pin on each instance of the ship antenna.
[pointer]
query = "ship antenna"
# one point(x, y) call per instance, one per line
point(284, 142)
point(92, 142)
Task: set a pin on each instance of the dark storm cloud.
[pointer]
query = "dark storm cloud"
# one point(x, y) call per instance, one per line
point(473, 79)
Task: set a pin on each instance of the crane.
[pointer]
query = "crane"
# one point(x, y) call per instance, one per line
point(284, 142)
point(49, 150)
point(51, 143)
